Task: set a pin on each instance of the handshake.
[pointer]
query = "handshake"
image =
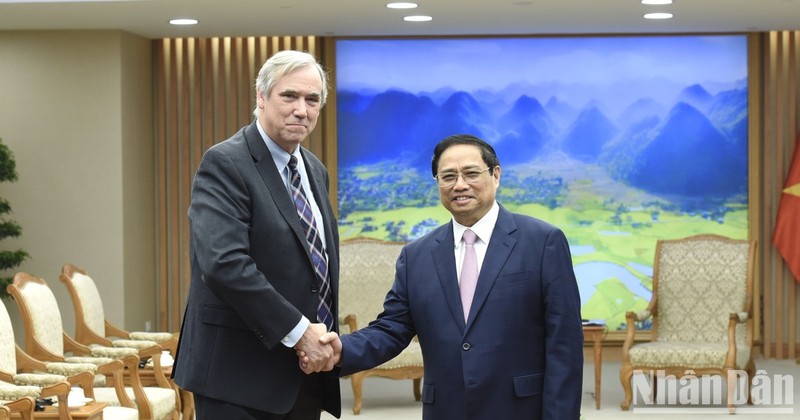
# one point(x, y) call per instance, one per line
point(318, 350)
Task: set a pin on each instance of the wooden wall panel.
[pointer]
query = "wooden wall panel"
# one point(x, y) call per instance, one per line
point(204, 93)
point(776, 130)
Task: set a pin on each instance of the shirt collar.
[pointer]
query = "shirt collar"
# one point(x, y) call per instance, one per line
point(483, 228)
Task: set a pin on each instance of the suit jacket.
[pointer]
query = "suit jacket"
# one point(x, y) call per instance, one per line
point(520, 353)
point(252, 278)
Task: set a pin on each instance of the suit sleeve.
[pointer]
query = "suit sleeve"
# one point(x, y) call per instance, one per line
point(220, 220)
point(564, 338)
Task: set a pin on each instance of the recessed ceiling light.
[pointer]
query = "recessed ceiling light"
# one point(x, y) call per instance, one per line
point(418, 18)
point(659, 15)
point(183, 21)
point(656, 1)
point(402, 5)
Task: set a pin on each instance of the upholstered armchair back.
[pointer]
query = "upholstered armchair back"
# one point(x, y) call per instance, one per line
point(44, 315)
point(8, 356)
point(91, 303)
point(366, 274)
point(699, 283)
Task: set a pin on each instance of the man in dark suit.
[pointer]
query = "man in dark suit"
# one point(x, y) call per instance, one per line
point(264, 261)
point(510, 346)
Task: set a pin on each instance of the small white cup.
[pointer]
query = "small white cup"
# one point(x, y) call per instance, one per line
point(166, 359)
point(76, 396)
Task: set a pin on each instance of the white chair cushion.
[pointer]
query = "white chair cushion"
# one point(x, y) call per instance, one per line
point(134, 344)
point(151, 336)
point(161, 399)
point(662, 354)
point(14, 392)
point(38, 379)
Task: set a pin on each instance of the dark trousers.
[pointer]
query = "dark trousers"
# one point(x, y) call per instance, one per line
point(308, 406)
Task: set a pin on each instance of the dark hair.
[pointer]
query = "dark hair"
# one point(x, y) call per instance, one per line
point(487, 152)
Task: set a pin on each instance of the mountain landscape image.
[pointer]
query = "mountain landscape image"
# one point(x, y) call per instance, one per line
point(617, 160)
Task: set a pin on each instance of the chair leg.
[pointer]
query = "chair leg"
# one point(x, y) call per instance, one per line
point(417, 390)
point(751, 372)
point(187, 401)
point(731, 390)
point(357, 381)
point(625, 374)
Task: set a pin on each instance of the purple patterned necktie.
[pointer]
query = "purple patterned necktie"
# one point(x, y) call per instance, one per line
point(469, 271)
point(324, 314)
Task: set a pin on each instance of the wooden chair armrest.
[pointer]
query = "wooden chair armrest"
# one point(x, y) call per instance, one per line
point(111, 367)
point(84, 380)
point(72, 346)
point(170, 345)
point(730, 360)
point(132, 364)
point(26, 363)
point(741, 317)
point(642, 315)
point(6, 377)
point(115, 370)
point(60, 391)
point(150, 351)
point(24, 406)
point(154, 353)
point(114, 331)
point(351, 322)
point(630, 317)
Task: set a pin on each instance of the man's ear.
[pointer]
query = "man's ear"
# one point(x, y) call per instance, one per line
point(261, 99)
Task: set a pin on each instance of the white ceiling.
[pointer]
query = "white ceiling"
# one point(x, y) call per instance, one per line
point(371, 18)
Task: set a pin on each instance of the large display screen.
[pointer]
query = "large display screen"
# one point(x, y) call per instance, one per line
point(618, 140)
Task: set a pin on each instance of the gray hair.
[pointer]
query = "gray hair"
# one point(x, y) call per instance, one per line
point(282, 63)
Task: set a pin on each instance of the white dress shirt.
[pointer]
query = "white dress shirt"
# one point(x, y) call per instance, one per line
point(483, 229)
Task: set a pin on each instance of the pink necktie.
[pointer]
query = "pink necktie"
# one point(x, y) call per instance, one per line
point(469, 271)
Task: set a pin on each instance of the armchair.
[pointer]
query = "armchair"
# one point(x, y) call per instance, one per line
point(24, 406)
point(702, 311)
point(27, 374)
point(46, 340)
point(366, 273)
point(92, 328)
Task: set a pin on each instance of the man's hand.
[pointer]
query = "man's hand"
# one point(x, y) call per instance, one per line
point(331, 339)
point(316, 354)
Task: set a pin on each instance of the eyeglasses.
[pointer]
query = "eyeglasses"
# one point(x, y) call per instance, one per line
point(470, 176)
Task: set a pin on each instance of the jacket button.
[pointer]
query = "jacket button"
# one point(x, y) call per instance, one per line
point(465, 346)
point(314, 290)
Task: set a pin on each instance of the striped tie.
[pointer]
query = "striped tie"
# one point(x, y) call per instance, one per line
point(324, 314)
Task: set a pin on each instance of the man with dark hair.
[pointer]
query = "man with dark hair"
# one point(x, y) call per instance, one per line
point(492, 297)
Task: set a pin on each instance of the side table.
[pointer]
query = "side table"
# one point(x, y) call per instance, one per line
point(91, 411)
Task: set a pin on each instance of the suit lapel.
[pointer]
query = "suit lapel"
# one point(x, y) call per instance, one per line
point(500, 247)
point(445, 266)
point(277, 190)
